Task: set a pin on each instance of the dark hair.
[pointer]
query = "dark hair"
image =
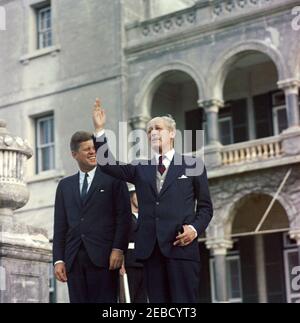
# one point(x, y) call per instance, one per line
point(78, 138)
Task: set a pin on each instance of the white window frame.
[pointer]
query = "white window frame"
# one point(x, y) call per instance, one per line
point(40, 31)
point(226, 119)
point(219, 121)
point(275, 118)
point(40, 146)
point(213, 283)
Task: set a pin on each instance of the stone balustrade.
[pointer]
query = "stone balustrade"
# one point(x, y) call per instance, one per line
point(252, 151)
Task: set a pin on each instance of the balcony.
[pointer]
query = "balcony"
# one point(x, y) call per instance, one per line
point(203, 17)
point(254, 155)
point(252, 151)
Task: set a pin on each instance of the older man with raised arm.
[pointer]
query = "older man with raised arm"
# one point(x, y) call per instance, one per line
point(174, 209)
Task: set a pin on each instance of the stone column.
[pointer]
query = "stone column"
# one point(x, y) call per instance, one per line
point(291, 136)
point(139, 137)
point(219, 249)
point(213, 149)
point(295, 235)
point(261, 269)
point(25, 251)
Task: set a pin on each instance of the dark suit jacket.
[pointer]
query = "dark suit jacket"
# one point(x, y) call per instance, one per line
point(181, 201)
point(130, 259)
point(102, 222)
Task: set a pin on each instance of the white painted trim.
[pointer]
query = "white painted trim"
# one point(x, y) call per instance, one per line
point(275, 119)
point(212, 280)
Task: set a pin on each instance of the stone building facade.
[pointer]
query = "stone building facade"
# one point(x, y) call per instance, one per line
point(230, 67)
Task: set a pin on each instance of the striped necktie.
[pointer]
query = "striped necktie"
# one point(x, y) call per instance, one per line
point(161, 167)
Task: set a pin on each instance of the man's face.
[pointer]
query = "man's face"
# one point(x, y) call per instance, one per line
point(160, 136)
point(86, 155)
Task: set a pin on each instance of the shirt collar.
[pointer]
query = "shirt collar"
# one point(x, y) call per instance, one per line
point(169, 155)
point(90, 173)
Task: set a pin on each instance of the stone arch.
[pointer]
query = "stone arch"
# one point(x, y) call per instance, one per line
point(240, 198)
point(220, 67)
point(153, 80)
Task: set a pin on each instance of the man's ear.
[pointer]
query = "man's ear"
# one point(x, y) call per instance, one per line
point(173, 134)
point(74, 154)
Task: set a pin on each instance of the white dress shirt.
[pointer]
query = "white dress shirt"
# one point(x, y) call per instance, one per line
point(168, 157)
point(89, 179)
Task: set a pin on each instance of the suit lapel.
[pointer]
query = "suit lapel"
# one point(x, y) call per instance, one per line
point(76, 190)
point(151, 173)
point(173, 172)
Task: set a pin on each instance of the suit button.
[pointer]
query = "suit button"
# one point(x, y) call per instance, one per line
point(157, 219)
point(157, 203)
point(82, 219)
point(82, 236)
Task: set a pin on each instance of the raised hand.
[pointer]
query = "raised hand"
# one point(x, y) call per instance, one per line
point(99, 117)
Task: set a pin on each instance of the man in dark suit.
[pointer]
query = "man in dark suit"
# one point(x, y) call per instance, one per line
point(174, 209)
point(133, 268)
point(91, 228)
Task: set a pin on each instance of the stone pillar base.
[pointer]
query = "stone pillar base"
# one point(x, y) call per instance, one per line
point(25, 254)
point(291, 141)
point(212, 155)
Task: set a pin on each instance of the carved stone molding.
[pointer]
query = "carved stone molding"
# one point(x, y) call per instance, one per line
point(219, 246)
point(168, 23)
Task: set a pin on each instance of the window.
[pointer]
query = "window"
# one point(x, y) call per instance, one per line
point(226, 131)
point(194, 121)
point(234, 283)
point(44, 27)
point(263, 115)
point(45, 144)
point(279, 119)
point(233, 122)
point(280, 122)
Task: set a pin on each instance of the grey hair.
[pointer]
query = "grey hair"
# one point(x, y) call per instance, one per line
point(168, 119)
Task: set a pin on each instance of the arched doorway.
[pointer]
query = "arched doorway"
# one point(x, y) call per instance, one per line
point(177, 95)
point(258, 266)
point(254, 107)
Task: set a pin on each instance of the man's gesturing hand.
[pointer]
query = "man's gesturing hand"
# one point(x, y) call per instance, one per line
point(99, 117)
point(116, 259)
point(185, 238)
point(60, 272)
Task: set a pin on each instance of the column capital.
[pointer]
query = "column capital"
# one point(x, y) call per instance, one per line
point(295, 235)
point(139, 122)
point(219, 247)
point(291, 85)
point(212, 105)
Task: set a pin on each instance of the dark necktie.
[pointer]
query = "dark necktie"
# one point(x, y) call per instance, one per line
point(84, 186)
point(161, 167)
